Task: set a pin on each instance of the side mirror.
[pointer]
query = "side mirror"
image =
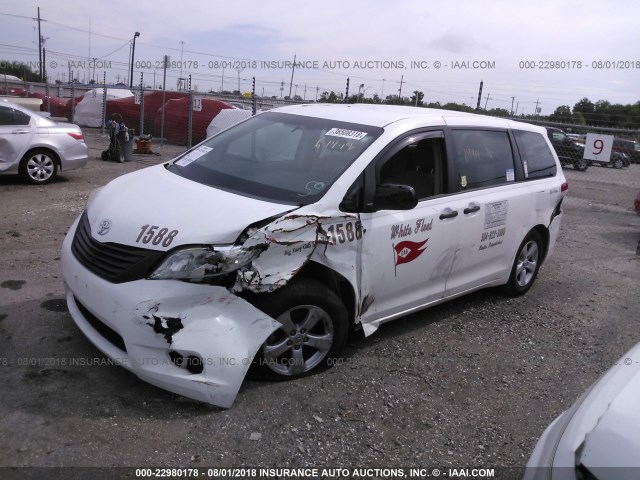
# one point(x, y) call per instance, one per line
point(390, 196)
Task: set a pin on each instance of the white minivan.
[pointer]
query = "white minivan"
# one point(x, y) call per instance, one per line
point(265, 244)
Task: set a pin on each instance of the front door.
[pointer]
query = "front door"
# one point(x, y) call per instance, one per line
point(407, 255)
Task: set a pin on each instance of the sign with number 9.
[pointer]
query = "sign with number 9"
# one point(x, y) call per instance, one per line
point(598, 147)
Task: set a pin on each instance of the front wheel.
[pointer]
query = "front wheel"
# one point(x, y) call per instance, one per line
point(314, 325)
point(38, 167)
point(618, 163)
point(526, 265)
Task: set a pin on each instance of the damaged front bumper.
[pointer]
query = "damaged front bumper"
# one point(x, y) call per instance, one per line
point(193, 340)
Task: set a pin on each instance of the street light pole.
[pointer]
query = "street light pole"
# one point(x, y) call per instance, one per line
point(133, 54)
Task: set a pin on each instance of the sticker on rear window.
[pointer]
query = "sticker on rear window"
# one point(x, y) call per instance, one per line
point(193, 155)
point(341, 132)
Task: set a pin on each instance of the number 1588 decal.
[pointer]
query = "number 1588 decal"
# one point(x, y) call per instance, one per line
point(344, 232)
point(150, 233)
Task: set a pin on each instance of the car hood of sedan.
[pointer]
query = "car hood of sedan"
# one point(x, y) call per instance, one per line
point(126, 208)
point(615, 440)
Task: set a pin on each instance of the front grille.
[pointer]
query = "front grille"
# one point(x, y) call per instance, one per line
point(114, 262)
point(108, 333)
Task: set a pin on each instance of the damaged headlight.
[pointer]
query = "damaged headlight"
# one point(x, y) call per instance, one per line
point(203, 263)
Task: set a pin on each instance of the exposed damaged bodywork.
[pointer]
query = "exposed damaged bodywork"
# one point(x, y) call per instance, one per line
point(194, 340)
point(166, 326)
point(286, 246)
point(205, 342)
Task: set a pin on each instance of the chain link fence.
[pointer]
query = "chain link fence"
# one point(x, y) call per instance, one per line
point(601, 163)
point(177, 117)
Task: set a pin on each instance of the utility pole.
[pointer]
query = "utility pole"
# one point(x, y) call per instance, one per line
point(400, 90)
point(164, 84)
point(89, 58)
point(479, 96)
point(239, 70)
point(141, 132)
point(487, 100)
point(40, 47)
point(128, 65)
point(181, 51)
point(512, 99)
point(133, 55)
point(536, 111)
point(292, 70)
point(44, 70)
point(190, 117)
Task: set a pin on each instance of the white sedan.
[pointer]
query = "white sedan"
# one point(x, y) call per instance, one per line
point(598, 437)
point(36, 147)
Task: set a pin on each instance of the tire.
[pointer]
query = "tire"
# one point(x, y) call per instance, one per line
point(526, 265)
point(581, 164)
point(104, 155)
point(39, 166)
point(618, 163)
point(314, 331)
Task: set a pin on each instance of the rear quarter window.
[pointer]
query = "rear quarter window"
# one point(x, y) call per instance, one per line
point(11, 116)
point(537, 159)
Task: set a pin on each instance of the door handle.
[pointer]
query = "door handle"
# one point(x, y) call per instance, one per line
point(21, 131)
point(444, 216)
point(469, 210)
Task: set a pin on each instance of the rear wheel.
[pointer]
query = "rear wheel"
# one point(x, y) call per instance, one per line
point(581, 164)
point(618, 163)
point(38, 166)
point(314, 329)
point(526, 265)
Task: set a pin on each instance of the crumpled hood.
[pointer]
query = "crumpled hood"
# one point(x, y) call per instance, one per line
point(126, 208)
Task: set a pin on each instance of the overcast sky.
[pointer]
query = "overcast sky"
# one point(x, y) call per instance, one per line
point(390, 41)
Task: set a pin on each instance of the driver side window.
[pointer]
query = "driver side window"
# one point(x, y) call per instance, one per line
point(419, 165)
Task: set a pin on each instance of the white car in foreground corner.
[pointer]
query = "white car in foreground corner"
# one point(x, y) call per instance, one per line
point(598, 438)
point(267, 242)
point(36, 147)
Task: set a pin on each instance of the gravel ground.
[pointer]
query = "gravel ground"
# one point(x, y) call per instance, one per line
point(472, 382)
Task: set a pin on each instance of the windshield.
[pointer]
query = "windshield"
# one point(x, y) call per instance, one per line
point(278, 157)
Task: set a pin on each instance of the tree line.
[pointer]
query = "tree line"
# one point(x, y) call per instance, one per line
point(585, 112)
